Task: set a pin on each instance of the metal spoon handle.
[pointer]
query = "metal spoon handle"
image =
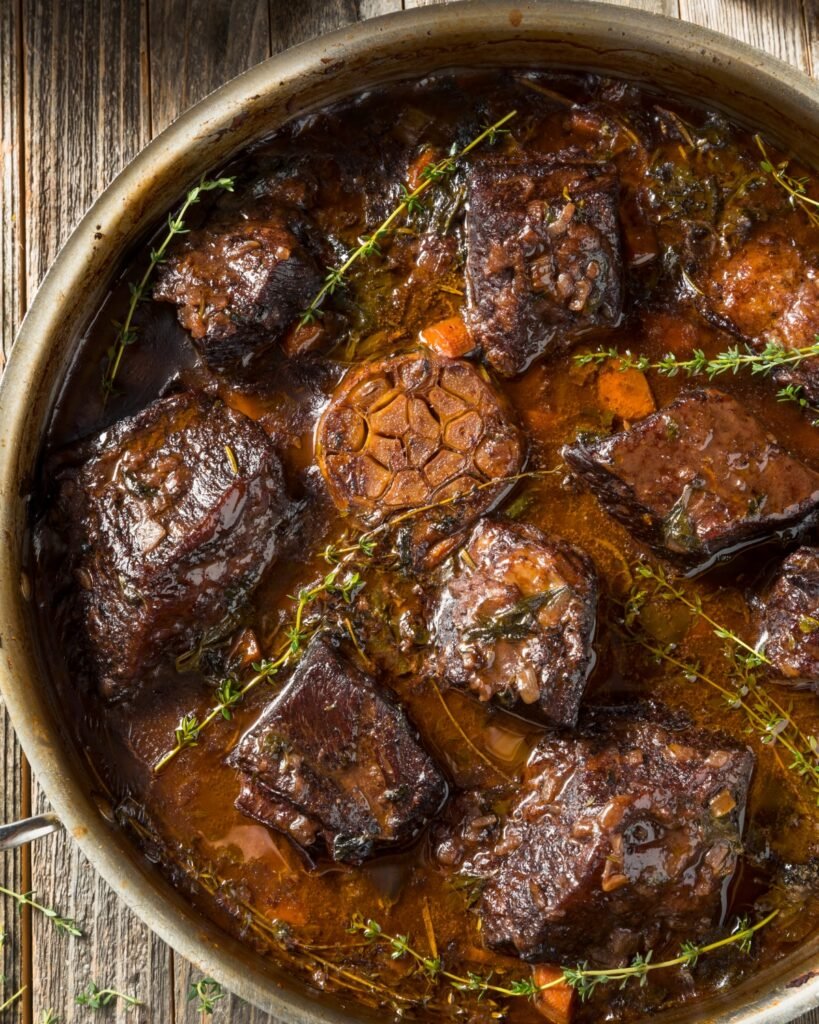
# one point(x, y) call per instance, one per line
point(18, 833)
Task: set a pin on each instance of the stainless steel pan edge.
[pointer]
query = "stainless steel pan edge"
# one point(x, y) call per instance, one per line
point(674, 56)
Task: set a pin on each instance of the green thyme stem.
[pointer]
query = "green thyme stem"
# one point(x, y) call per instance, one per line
point(796, 188)
point(96, 998)
point(581, 978)
point(62, 924)
point(13, 999)
point(126, 332)
point(732, 360)
point(429, 176)
point(794, 393)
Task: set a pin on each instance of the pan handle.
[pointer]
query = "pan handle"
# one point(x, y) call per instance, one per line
point(18, 833)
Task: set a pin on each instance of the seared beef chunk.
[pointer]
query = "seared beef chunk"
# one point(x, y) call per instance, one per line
point(334, 759)
point(622, 837)
point(517, 620)
point(544, 261)
point(240, 282)
point(696, 478)
point(789, 616)
point(767, 291)
point(172, 520)
point(416, 430)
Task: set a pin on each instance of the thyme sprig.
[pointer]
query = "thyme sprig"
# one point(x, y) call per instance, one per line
point(207, 994)
point(410, 203)
point(48, 1017)
point(12, 999)
point(796, 188)
point(773, 723)
point(26, 899)
point(794, 393)
point(230, 692)
point(772, 356)
point(342, 557)
point(581, 978)
point(126, 332)
point(96, 998)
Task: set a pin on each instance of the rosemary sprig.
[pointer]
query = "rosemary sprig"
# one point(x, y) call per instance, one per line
point(26, 899)
point(12, 999)
point(794, 393)
point(96, 998)
point(796, 188)
point(410, 203)
point(770, 720)
point(732, 360)
point(207, 994)
point(126, 332)
point(581, 978)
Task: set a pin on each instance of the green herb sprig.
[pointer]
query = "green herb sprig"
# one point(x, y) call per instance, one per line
point(26, 899)
point(796, 188)
point(48, 1017)
point(581, 978)
point(207, 994)
point(97, 998)
point(126, 332)
point(410, 203)
point(773, 723)
point(794, 393)
point(12, 999)
point(732, 360)
point(297, 634)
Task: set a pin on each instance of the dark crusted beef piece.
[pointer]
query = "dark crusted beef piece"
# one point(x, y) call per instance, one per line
point(622, 837)
point(240, 282)
point(334, 759)
point(544, 261)
point(166, 537)
point(766, 291)
point(699, 477)
point(517, 620)
point(789, 616)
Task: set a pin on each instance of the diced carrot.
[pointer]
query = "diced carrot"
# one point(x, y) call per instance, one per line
point(416, 168)
point(626, 393)
point(556, 1004)
point(448, 337)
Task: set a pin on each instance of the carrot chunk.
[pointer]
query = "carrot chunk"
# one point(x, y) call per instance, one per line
point(448, 337)
point(626, 393)
point(417, 167)
point(556, 1004)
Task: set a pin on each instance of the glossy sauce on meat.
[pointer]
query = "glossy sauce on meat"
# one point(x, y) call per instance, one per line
point(606, 217)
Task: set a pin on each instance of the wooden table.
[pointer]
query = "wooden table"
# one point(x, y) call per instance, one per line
point(85, 85)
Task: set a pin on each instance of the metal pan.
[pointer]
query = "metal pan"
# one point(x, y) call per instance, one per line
point(674, 57)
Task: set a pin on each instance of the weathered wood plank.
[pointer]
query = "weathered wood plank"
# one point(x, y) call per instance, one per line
point(315, 17)
point(15, 954)
point(83, 119)
point(810, 21)
point(198, 45)
point(776, 26)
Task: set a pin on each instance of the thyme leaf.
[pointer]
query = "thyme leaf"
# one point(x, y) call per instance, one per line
point(581, 978)
point(410, 203)
point(796, 188)
point(96, 998)
point(126, 331)
point(62, 924)
point(732, 360)
point(207, 994)
point(794, 393)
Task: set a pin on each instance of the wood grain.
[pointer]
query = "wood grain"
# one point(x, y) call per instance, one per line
point(98, 79)
point(15, 795)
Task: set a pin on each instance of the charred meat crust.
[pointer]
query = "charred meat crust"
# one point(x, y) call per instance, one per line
point(334, 761)
point(697, 478)
point(544, 262)
point(788, 618)
point(240, 281)
point(625, 833)
point(517, 621)
point(171, 521)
